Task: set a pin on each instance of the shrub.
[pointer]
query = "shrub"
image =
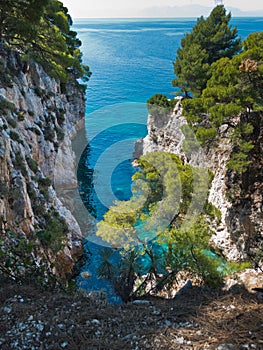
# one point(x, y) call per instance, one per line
point(17, 260)
point(13, 195)
point(203, 135)
point(3, 189)
point(20, 164)
point(60, 134)
point(49, 133)
point(6, 105)
point(53, 232)
point(15, 136)
point(40, 92)
point(44, 182)
point(33, 165)
point(37, 131)
point(160, 105)
point(11, 122)
point(60, 116)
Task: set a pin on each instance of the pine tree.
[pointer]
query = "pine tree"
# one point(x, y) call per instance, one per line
point(40, 29)
point(210, 40)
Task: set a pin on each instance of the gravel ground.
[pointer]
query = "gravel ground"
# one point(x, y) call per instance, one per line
point(199, 318)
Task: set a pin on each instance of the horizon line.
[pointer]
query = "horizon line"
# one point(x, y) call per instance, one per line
point(171, 17)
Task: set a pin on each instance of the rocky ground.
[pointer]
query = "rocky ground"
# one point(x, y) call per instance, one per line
point(199, 318)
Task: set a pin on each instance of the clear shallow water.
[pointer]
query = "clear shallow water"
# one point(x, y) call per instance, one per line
point(131, 60)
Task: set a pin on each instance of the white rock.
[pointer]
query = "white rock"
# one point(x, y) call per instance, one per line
point(64, 344)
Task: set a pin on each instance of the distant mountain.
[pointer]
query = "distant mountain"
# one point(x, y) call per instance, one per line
point(191, 11)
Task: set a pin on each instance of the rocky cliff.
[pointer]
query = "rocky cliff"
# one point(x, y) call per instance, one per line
point(38, 118)
point(237, 196)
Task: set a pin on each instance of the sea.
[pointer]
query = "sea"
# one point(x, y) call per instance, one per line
point(130, 60)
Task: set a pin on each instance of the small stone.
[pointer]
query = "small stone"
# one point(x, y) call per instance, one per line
point(61, 326)
point(64, 344)
point(7, 309)
point(168, 323)
point(156, 312)
point(86, 274)
point(40, 327)
point(95, 321)
point(180, 340)
point(30, 318)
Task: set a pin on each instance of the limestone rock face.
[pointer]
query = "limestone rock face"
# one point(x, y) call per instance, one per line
point(238, 197)
point(37, 122)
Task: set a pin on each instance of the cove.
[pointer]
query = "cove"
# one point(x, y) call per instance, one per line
point(131, 60)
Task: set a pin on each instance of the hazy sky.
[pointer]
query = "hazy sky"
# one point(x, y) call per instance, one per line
point(127, 8)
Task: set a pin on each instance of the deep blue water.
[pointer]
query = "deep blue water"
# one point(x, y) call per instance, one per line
point(130, 60)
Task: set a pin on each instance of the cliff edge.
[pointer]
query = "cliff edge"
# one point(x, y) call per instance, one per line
point(238, 197)
point(38, 118)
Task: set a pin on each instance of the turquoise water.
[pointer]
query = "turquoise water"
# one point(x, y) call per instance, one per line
point(130, 60)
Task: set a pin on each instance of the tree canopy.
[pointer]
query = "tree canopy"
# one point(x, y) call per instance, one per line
point(235, 86)
point(40, 30)
point(160, 228)
point(210, 40)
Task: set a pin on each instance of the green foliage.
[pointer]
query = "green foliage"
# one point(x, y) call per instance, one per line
point(11, 122)
point(41, 31)
point(5, 106)
point(31, 113)
point(15, 136)
point(159, 225)
point(53, 233)
point(192, 245)
point(3, 189)
point(44, 182)
point(60, 114)
point(40, 92)
point(210, 40)
point(60, 134)
point(121, 273)
point(159, 105)
point(18, 260)
point(49, 133)
point(29, 259)
point(203, 135)
point(234, 88)
point(20, 164)
point(33, 165)
point(162, 188)
point(191, 69)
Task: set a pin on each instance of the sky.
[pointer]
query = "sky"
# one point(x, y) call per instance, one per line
point(133, 8)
